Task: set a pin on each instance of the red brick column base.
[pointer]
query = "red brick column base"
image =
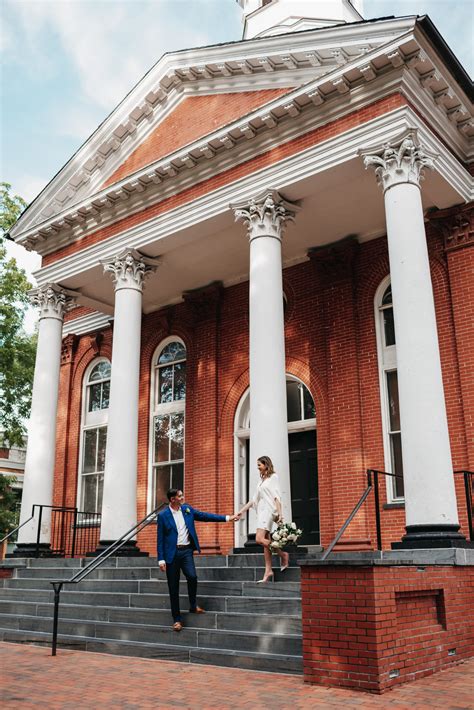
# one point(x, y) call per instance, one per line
point(370, 623)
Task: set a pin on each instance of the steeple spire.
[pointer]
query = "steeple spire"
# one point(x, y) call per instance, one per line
point(270, 17)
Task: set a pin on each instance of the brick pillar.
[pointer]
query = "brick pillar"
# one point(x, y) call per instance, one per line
point(458, 231)
point(334, 270)
point(202, 484)
point(63, 494)
point(374, 620)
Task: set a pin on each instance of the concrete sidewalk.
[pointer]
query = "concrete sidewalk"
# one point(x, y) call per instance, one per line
point(31, 678)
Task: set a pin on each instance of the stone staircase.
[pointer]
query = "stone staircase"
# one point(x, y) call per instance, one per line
point(123, 608)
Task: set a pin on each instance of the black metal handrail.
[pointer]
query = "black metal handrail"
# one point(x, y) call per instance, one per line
point(62, 544)
point(93, 565)
point(468, 489)
point(373, 483)
point(346, 524)
point(375, 473)
point(19, 526)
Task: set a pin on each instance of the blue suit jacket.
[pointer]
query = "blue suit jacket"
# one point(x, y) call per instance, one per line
point(168, 532)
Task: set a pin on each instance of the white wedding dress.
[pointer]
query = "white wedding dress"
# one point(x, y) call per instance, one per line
point(264, 501)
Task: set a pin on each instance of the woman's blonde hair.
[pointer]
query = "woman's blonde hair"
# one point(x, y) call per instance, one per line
point(267, 462)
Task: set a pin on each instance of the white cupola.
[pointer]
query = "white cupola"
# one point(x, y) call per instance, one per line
point(262, 18)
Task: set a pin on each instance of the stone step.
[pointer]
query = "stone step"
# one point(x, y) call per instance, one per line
point(221, 639)
point(258, 622)
point(237, 604)
point(212, 588)
point(250, 574)
point(262, 661)
point(250, 560)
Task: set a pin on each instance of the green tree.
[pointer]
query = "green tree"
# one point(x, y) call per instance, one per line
point(8, 506)
point(17, 348)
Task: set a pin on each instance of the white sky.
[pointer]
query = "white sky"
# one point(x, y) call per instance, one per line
point(67, 63)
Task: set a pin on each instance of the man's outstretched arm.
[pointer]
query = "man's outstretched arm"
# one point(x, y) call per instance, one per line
point(213, 517)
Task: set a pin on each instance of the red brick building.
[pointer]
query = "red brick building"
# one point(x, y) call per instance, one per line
point(234, 177)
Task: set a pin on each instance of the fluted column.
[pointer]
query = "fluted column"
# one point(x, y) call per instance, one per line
point(52, 302)
point(119, 502)
point(430, 500)
point(266, 217)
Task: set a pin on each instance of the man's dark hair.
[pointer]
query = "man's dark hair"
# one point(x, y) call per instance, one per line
point(172, 492)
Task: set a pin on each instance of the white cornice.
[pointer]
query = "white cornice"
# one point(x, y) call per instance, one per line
point(313, 160)
point(86, 324)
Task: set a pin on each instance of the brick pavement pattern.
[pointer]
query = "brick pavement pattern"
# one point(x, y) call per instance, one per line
point(31, 678)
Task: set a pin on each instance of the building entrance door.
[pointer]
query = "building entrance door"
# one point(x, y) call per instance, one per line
point(304, 485)
point(303, 465)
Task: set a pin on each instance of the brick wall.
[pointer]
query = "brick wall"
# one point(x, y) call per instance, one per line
point(330, 346)
point(371, 628)
point(177, 130)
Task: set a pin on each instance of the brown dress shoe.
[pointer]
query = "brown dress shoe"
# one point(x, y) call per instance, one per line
point(197, 610)
point(177, 626)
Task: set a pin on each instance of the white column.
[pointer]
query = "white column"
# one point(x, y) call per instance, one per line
point(119, 502)
point(266, 217)
point(40, 456)
point(430, 499)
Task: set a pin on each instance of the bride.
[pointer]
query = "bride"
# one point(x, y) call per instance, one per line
point(267, 503)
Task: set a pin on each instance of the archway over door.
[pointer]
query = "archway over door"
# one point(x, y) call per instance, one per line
point(302, 442)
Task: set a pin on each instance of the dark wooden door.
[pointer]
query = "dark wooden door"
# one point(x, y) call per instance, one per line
point(304, 485)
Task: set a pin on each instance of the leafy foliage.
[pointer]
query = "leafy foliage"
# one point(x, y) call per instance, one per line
point(17, 348)
point(8, 506)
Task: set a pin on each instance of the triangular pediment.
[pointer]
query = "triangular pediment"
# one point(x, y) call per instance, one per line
point(195, 117)
point(196, 104)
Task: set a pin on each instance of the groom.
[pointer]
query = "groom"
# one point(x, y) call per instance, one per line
point(177, 540)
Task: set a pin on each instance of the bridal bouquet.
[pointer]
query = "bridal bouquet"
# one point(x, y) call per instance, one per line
point(285, 534)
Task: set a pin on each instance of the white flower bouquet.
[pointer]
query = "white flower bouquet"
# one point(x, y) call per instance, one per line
point(285, 534)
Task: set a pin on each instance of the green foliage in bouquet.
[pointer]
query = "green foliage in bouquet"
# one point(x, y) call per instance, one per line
point(285, 534)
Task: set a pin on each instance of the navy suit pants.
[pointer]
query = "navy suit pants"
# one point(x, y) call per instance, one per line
point(184, 561)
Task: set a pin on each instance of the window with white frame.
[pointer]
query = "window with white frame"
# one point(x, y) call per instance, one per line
point(389, 388)
point(168, 405)
point(94, 435)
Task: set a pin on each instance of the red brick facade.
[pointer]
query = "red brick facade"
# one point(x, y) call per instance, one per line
point(330, 346)
point(371, 628)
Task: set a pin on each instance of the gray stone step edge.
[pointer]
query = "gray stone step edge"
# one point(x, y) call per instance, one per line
point(124, 625)
point(249, 660)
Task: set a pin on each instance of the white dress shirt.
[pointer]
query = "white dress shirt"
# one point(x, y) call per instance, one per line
point(183, 534)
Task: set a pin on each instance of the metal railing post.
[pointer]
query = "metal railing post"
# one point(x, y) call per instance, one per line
point(377, 509)
point(73, 546)
point(39, 530)
point(57, 586)
point(468, 489)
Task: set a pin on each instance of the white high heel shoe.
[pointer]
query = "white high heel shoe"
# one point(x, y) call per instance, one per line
point(266, 578)
point(284, 567)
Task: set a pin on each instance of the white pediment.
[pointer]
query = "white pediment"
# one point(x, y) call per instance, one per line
point(348, 56)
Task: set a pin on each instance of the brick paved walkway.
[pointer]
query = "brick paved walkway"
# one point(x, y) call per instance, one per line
point(31, 678)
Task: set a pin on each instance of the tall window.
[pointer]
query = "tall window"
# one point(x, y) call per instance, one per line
point(169, 395)
point(389, 388)
point(94, 435)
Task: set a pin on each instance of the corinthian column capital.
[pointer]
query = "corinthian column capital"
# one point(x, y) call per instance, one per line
point(265, 215)
point(401, 161)
point(52, 301)
point(129, 269)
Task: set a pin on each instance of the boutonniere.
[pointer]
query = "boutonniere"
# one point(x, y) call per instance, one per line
point(187, 510)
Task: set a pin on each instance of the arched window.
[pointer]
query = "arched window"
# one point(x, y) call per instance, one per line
point(94, 435)
point(387, 355)
point(168, 405)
